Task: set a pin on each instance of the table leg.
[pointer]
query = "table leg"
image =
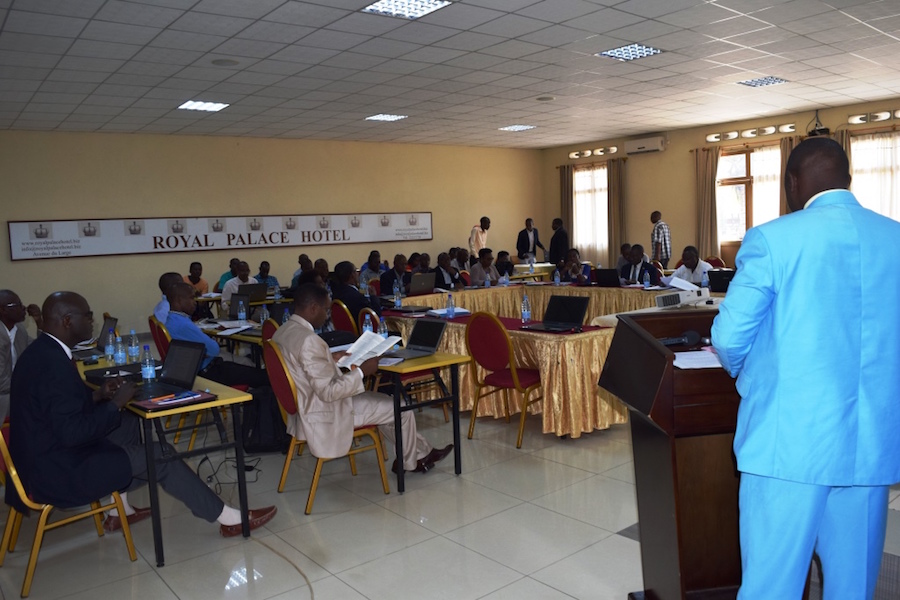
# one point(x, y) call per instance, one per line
point(398, 433)
point(154, 492)
point(454, 387)
point(241, 472)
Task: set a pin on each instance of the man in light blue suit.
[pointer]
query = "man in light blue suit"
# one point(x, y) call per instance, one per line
point(811, 328)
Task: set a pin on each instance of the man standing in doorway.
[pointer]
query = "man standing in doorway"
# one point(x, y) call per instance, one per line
point(660, 239)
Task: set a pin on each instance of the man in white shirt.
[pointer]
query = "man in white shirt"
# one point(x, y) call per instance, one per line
point(243, 276)
point(692, 268)
point(478, 238)
point(484, 268)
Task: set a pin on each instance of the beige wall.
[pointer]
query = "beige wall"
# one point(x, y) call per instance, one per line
point(664, 181)
point(80, 175)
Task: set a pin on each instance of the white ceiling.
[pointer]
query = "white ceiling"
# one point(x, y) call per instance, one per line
point(315, 69)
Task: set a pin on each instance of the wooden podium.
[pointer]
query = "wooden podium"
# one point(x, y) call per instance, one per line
point(682, 429)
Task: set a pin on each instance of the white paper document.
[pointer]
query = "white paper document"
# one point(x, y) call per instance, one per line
point(697, 360)
point(369, 345)
point(681, 284)
point(233, 330)
point(442, 312)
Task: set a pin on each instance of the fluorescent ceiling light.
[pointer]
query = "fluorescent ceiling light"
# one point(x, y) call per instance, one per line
point(630, 52)
point(763, 81)
point(406, 9)
point(384, 117)
point(518, 128)
point(204, 106)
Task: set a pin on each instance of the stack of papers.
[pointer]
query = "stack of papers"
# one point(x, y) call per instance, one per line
point(442, 312)
point(369, 345)
point(697, 360)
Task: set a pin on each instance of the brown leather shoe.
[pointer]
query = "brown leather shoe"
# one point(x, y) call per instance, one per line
point(435, 456)
point(115, 523)
point(257, 517)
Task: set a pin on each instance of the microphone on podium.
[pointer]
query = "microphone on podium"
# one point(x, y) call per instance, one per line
point(688, 338)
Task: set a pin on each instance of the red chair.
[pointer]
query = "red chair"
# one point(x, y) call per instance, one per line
point(465, 277)
point(489, 345)
point(160, 335)
point(342, 319)
point(375, 286)
point(679, 263)
point(269, 327)
point(286, 393)
point(716, 262)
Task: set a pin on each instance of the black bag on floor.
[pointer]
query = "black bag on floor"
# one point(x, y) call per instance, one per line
point(264, 429)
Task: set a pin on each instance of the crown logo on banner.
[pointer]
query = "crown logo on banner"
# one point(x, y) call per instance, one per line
point(41, 232)
point(177, 227)
point(89, 230)
point(134, 228)
point(217, 226)
point(255, 225)
point(324, 222)
point(413, 219)
point(355, 222)
point(385, 220)
point(290, 223)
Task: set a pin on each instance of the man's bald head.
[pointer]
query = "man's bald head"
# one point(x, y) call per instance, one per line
point(815, 165)
point(68, 317)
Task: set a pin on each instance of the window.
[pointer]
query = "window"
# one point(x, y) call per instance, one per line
point(748, 190)
point(591, 214)
point(876, 172)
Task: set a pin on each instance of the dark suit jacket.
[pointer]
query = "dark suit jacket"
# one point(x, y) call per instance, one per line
point(625, 273)
point(522, 243)
point(58, 434)
point(387, 282)
point(440, 279)
point(559, 245)
point(354, 300)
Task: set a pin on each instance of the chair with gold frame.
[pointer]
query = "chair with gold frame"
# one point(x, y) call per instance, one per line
point(342, 319)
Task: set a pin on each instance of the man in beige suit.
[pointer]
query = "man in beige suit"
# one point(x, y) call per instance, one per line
point(13, 340)
point(331, 403)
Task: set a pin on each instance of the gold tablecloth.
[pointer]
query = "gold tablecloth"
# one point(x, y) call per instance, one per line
point(570, 367)
point(507, 301)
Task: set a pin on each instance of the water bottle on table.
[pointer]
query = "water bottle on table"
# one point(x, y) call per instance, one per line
point(398, 302)
point(487, 280)
point(646, 279)
point(451, 306)
point(109, 349)
point(120, 354)
point(242, 311)
point(264, 314)
point(526, 309)
point(704, 282)
point(382, 328)
point(134, 348)
point(367, 324)
point(286, 316)
point(556, 277)
point(148, 366)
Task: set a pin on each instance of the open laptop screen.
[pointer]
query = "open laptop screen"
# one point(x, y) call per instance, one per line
point(182, 363)
point(566, 309)
point(426, 333)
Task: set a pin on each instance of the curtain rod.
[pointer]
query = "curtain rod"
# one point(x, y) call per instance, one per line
point(592, 164)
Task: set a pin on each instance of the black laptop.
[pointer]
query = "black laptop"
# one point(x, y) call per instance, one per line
point(564, 313)
point(88, 351)
point(178, 371)
point(256, 291)
point(423, 340)
point(235, 303)
point(608, 278)
point(719, 279)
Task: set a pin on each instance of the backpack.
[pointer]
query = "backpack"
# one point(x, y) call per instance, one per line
point(263, 427)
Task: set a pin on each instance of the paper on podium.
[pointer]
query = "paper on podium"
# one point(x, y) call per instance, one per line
point(697, 360)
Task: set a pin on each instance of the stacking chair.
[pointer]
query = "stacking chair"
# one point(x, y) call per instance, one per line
point(361, 319)
point(658, 266)
point(269, 327)
point(160, 335)
point(286, 392)
point(342, 319)
point(14, 519)
point(489, 345)
point(375, 286)
point(716, 262)
point(465, 277)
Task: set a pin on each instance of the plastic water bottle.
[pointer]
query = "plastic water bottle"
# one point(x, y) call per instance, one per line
point(705, 281)
point(242, 311)
point(286, 316)
point(367, 324)
point(646, 279)
point(382, 328)
point(120, 355)
point(530, 265)
point(526, 309)
point(556, 277)
point(487, 280)
point(278, 292)
point(148, 366)
point(451, 306)
point(134, 348)
point(263, 314)
point(504, 280)
point(109, 350)
point(398, 302)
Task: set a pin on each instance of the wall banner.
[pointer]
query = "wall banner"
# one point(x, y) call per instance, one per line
point(30, 240)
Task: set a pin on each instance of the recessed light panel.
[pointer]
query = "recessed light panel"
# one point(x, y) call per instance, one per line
point(630, 52)
point(517, 128)
point(405, 9)
point(383, 117)
point(763, 81)
point(204, 106)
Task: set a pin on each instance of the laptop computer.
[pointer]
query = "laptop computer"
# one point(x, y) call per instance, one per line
point(421, 283)
point(88, 350)
point(256, 291)
point(235, 303)
point(178, 371)
point(423, 340)
point(607, 278)
point(719, 279)
point(564, 313)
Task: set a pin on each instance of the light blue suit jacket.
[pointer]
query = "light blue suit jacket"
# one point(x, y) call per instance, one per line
point(811, 328)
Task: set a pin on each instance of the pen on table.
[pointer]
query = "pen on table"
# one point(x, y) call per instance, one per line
point(164, 398)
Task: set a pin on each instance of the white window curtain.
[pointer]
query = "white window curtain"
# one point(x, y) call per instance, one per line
point(876, 181)
point(591, 213)
point(765, 168)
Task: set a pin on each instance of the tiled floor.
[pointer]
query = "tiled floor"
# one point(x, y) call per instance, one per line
point(537, 523)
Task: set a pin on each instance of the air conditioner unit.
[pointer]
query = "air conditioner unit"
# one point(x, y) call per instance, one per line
point(651, 144)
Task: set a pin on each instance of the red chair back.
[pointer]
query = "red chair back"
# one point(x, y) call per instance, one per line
point(362, 319)
point(679, 263)
point(161, 337)
point(280, 378)
point(269, 327)
point(716, 262)
point(464, 275)
point(488, 342)
point(375, 286)
point(342, 319)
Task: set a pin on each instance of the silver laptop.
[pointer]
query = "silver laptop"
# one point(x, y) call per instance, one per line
point(421, 283)
point(423, 340)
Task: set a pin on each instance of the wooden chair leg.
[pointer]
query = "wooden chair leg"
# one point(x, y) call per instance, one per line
point(287, 463)
point(126, 528)
point(352, 464)
point(314, 485)
point(97, 522)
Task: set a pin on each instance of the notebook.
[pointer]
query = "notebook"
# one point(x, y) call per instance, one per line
point(607, 278)
point(256, 291)
point(88, 349)
point(176, 377)
point(421, 283)
point(423, 340)
point(564, 313)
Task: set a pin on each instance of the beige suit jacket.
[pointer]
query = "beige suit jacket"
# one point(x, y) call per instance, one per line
point(324, 394)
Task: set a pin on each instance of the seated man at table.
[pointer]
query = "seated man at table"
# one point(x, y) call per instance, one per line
point(446, 276)
point(227, 275)
point(574, 270)
point(180, 326)
point(398, 273)
point(264, 277)
point(194, 277)
point(460, 260)
point(59, 429)
point(242, 277)
point(161, 310)
point(634, 271)
point(503, 264)
point(484, 269)
point(624, 257)
point(346, 289)
point(331, 403)
point(372, 269)
point(692, 268)
point(306, 265)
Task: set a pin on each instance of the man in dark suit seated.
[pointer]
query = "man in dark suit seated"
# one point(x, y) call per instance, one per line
point(446, 276)
point(397, 273)
point(634, 271)
point(346, 289)
point(73, 446)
